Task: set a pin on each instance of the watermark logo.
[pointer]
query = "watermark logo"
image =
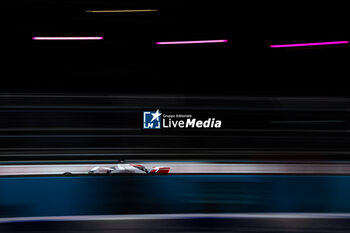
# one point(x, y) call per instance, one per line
point(152, 120)
point(157, 120)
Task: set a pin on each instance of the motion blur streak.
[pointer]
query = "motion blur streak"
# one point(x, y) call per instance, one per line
point(68, 38)
point(172, 194)
point(296, 223)
point(105, 127)
point(307, 122)
point(191, 42)
point(309, 44)
point(120, 11)
point(177, 216)
point(187, 168)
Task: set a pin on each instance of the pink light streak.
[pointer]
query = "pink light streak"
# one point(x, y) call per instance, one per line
point(69, 38)
point(191, 42)
point(309, 44)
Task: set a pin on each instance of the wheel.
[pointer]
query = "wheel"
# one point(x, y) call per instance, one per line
point(67, 174)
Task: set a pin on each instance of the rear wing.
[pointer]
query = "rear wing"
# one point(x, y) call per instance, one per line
point(160, 170)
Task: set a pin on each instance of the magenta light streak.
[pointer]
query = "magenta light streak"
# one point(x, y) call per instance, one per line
point(69, 38)
point(309, 44)
point(191, 42)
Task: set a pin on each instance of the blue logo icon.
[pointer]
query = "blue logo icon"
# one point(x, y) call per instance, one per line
point(151, 120)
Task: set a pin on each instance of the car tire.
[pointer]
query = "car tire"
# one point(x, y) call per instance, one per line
point(67, 174)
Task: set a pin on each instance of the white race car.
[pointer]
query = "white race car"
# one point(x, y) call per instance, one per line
point(122, 168)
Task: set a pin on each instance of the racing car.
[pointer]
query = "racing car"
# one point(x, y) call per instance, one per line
point(122, 168)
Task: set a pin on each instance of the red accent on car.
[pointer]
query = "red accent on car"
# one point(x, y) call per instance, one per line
point(160, 170)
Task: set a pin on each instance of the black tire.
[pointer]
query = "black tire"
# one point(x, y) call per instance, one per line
point(67, 174)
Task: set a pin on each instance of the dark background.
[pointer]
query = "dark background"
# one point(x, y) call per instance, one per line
point(128, 61)
point(86, 98)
